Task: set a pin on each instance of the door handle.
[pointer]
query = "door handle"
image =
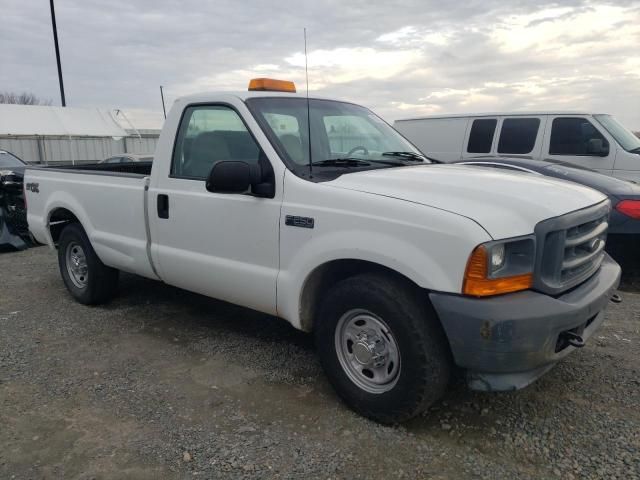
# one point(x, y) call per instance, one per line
point(163, 206)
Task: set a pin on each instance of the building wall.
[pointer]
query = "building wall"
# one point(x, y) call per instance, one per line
point(75, 149)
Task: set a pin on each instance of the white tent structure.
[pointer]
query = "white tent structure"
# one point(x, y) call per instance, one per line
point(25, 120)
point(45, 134)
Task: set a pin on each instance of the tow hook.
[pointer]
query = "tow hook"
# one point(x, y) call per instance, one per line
point(573, 339)
point(616, 298)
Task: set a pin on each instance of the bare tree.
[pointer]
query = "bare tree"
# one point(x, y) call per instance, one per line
point(24, 98)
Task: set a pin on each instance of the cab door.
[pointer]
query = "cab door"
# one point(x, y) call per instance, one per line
point(577, 139)
point(223, 245)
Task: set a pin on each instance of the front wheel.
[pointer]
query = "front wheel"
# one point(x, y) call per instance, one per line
point(382, 347)
point(88, 279)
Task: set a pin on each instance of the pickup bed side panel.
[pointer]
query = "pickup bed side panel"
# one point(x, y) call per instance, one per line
point(109, 207)
point(427, 245)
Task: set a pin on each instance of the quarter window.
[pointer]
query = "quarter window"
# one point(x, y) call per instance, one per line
point(518, 135)
point(575, 136)
point(209, 134)
point(481, 135)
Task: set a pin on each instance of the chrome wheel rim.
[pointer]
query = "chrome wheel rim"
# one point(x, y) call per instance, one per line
point(77, 267)
point(367, 351)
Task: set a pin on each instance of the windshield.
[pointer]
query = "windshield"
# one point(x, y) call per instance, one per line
point(624, 137)
point(339, 131)
point(9, 160)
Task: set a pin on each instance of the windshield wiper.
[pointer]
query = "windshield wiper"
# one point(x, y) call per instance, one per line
point(341, 162)
point(396, 163)
point(347, 162)
point(409, 156)
point(635, 150)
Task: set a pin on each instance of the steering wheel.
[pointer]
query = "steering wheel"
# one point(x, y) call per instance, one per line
point(355, 149)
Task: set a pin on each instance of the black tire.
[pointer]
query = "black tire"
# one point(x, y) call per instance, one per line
point(424, 355)
point(100, 283)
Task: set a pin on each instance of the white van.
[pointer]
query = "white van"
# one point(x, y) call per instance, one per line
point(596, 141)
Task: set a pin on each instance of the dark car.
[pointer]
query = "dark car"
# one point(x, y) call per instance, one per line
point(129, 158)
point(14, 231)
point(624, 223)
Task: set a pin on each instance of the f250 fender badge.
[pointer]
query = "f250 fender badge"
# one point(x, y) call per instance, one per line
point(33, 187)
point(294, 221)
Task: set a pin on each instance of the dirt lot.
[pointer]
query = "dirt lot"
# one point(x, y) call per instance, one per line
point(166, 384)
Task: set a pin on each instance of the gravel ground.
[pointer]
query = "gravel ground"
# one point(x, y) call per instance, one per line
point(162, 383)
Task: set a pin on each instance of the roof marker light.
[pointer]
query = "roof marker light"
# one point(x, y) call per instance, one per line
point(271, 85)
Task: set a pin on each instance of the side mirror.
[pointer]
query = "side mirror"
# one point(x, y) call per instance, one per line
point(597, 146)
point(238, 177)
point(230, 177)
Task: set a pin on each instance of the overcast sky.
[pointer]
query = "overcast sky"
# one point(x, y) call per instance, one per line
point(404, 59)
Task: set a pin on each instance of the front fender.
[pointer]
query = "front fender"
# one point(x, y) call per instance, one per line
point(432, 254)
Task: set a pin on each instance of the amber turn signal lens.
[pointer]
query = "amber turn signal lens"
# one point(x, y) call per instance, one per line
point(477, 284)
point(271, 85)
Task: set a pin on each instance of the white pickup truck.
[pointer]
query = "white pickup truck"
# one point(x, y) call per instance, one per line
point(401, 268)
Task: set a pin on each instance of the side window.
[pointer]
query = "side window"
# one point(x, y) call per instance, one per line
point(346, 132)
point(209, 134)
point(113, 160)
point(575, 136)
point(481, 135)
point(518, 135)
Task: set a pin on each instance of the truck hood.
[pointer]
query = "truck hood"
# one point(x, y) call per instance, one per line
point(505, 204)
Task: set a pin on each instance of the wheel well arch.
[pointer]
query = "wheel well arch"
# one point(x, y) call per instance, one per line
point(58, 219)
point(327, 274)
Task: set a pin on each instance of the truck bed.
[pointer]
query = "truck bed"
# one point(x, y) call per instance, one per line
point(109, 200)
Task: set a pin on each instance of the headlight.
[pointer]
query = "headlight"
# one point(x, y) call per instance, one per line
point(500, 267)
point(497, 257)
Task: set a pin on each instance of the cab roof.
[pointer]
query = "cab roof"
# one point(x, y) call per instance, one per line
point(243, 95)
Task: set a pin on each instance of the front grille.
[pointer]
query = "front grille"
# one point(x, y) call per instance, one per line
point(583, 248)
point(571, 248)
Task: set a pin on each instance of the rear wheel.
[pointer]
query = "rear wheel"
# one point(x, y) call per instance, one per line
point(382, 347)
point(88, 279)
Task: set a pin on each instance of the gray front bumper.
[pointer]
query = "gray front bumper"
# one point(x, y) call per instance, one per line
point(507, 342)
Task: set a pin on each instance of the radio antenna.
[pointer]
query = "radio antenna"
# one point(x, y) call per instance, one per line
point(306, 71)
